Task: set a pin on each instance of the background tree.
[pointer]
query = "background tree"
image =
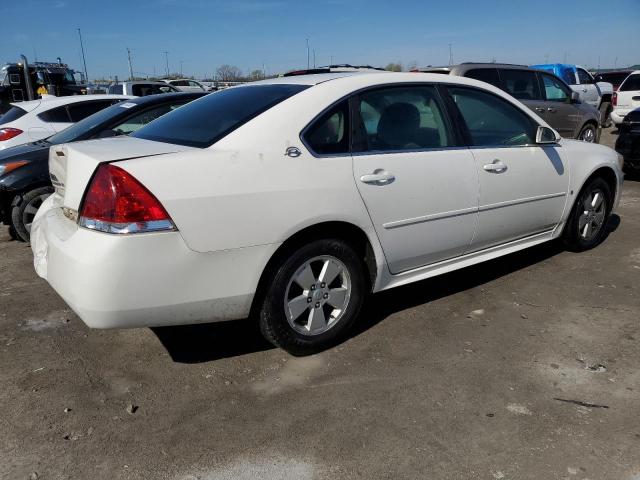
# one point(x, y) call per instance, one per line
point(394, 67)
point(256, 75)
point(228, 73)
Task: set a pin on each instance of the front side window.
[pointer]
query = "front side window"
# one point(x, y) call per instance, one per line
point(402, 118)
point(631, 83)
point(492, 121)
point(522, 84)
point(554, 89)
point(205, 121)
point(583, 77)
point(489, 75)
point(81, 110)
point(329, 134)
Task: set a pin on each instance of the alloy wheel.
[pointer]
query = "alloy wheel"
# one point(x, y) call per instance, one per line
point(317, 295)
point(588, 135)
point(594, 212)
point(30, 210)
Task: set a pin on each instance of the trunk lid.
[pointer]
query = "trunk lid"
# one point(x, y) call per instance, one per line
point(71, 166)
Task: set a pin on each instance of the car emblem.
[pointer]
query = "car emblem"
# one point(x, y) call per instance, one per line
point(293, 152)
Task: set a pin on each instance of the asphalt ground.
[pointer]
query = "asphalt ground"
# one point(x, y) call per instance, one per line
point(525, 367)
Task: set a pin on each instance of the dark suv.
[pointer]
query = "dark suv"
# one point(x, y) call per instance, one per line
point(543, 92)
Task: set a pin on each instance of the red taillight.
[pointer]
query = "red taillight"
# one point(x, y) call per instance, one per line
point(117, 203)
point(8, 133)
point(614, 99)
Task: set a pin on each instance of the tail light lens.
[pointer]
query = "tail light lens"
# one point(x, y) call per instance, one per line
point(118, 203)
point(614, 99)
point(8, 133)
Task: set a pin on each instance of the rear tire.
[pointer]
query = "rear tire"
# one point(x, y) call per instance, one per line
point(314, 297)
point(587, 224)
point(605, 115)
point(24, 208)
point(589, 133)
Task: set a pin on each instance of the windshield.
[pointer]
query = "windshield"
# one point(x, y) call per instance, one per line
point(205, 121)
point(78, 130)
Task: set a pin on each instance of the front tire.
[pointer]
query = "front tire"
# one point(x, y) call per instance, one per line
point(587, 224)
point(24, 208)
point(314, 297)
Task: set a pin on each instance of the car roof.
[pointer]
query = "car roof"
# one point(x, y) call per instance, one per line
point(49, 101)
point(471, 65)
point(313, 79)
point(165, 97)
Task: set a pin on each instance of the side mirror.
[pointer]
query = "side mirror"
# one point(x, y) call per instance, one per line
point(107, 134)
point(546, 136)
point(598, 78)
point(575, 97)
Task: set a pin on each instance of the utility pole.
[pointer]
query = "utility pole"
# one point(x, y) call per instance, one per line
point(307, 53)
point(181, 62)
point(130, 65)
point(84, 61)
point(166, 57)
point(450, 55)
point(331, 60)
point(314, 58)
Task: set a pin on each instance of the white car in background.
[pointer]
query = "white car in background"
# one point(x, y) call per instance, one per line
point(188, 85)
point(626, 98)
point(35, 120)
point(291, 199)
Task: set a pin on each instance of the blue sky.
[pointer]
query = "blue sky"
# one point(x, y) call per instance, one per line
point(249, 33)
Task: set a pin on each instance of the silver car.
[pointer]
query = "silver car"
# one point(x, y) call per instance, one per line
point(543, 92)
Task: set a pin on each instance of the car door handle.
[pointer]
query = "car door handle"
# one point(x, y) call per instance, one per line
point(378, 177)
point(496, 167)
point(552, 110)
point(539, 110)
point(584, 90)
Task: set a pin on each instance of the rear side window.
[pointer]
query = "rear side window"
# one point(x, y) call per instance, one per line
point(138, 121)
point(631, 83)
point(12, 114)
point(584, 77)
point(489, 75)
point(492, 121)
point(522, 84)
point(207, 120)
point(401, 118)
point(81, 110)
point(55, 115)
point(329, 135)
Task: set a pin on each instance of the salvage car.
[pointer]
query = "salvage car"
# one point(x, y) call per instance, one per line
point(24, 170)
point(628, 142)
point(37, 119)
point(289, 200)
point(627, 98)
point(543, 92)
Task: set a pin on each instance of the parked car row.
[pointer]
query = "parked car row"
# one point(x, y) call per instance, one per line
point(24, 171)
point(290, 200)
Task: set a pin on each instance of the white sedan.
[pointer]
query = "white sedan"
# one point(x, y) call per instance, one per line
point(289, 200)
point(35, 120)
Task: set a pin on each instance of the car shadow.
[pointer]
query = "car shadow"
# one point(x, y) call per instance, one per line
point(215, 341)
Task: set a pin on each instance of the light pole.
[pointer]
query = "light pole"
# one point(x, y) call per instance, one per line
point(166, 58)
point(84, 61)
point(307, 53)
point(181, 62)
point(130, 65)
point(450, 55)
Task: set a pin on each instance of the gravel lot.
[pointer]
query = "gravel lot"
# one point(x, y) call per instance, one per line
point(521, 368)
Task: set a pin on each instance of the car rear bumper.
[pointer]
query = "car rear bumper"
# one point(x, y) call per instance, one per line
point(617, 116)
point(142, 280)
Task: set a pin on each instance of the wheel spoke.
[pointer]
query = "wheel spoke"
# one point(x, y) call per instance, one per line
point(337, 297)
point(330, 270)
point(31, 209)
point(317, 320)
point(586, 230)
point(305, 278)
point(582, 221)
point(597, 201)
point(297, 305)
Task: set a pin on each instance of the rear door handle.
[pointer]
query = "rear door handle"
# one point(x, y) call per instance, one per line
point(584, 90)
point(552, 110)
point(539, 110)
point(378, 177)
point(496, 167)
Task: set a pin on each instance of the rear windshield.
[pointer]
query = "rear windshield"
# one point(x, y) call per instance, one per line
point(12, 114)
point(205, 121)
point(631, 83)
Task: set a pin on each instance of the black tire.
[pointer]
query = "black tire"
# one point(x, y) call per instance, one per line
point(12, 233)
point(273, 320)
point(605, 115)
point(588, 133)
point(573, 234)
point(24, 208)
